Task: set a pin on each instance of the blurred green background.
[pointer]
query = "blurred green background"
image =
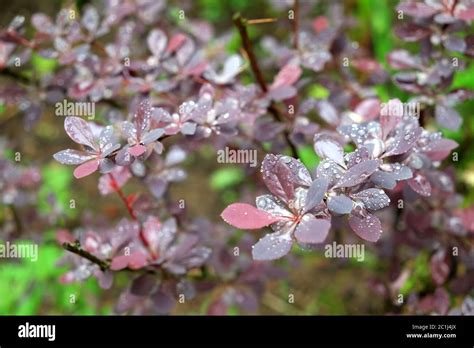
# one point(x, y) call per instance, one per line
point(320, 286)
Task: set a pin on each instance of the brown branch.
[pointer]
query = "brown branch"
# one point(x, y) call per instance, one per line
point(241, 24)
point(77, 249)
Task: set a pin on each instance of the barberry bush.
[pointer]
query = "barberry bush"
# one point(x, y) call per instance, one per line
point(219, 150)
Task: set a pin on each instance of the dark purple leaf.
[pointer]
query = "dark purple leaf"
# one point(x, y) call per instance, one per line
point(163, 302)
point(403, 141)
point(368, 228)
point(143, 285)
point(402, 59)
point(411, 32)
point(373, 198)
point(316, 193)
point(420, 185)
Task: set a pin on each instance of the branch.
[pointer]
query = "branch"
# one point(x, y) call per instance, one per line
point(241, 24)
point(77, 249)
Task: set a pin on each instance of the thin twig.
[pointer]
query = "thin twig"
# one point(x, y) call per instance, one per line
point(261, 21)
point(77, 249)
point(241, 24)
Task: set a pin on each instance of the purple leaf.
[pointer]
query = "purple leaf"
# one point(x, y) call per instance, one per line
point(157, 42)
point(439, 149)
point(447, 117)
point(272, 206)
point(79, 131)
point(359, 155)
point(142, 117)
point(272, 246)
point(340, 204)
point(328, 148)
point(403, 141)
point(368, 228)
point(162, 302)
point(287, 76)
point(420, 185)
point(279, 177)
point(454, 43)
point(72, 157)
point(373, 198)
point(440, 267)
point(311, 230)
point(402, 59)
point(369, 109)
point(330, 170)
point(411, 32)
point(328, 112)
point(247, 217)
point(358, 173)
point(143, 285)
point(416, 9)
point(316, 193)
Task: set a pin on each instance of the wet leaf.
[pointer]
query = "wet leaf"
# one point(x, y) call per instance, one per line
point(368, 228)
point(246, 216)
point(272, 246)
point(311, 230)
point(340, 204)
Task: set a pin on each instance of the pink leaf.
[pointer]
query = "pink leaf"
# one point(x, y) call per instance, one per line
point(368, 228)
point(320, 23)
point(368, 109)
point(86, 169)
point(247, 217)
point(287, 76)
point(119, 262)
point(176, 42)
point(137, 150)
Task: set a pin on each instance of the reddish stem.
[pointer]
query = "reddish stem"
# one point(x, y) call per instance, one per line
point(130, 210)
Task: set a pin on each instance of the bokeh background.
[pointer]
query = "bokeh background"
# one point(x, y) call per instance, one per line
point(320, 285)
